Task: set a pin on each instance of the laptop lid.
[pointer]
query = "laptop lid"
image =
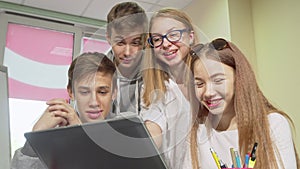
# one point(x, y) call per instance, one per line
point(122, 142)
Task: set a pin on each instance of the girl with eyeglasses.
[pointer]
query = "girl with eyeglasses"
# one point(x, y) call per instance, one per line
point(165, 100)
point(232, 112)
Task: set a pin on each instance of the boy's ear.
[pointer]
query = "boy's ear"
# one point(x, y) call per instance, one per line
point(71, 94)
point(114, 94)
point(192, 38)
point(108, 38)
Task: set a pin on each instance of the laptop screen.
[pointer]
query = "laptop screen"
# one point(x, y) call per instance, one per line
point(116, 143)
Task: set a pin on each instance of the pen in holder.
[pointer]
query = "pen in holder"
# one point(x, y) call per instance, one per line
point(250, 158)
point(249, 161)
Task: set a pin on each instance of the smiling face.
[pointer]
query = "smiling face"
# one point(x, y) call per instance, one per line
point(94, 95)
point(171, 53)
point(127, 47)
point(214, 85)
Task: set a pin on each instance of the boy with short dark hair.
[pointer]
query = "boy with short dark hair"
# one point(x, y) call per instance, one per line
point(126, 33)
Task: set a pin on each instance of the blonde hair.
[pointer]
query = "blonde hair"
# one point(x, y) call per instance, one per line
point(251, 107)
point(156, 73)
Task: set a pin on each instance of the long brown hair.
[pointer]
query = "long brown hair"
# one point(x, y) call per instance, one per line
point(250, 105)
point(156, 73)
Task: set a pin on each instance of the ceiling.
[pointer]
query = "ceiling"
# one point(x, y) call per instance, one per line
point(96, 9)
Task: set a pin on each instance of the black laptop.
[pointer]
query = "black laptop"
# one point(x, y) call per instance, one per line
point(121, 142)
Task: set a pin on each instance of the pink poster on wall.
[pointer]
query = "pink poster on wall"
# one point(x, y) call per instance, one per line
point(37, 61)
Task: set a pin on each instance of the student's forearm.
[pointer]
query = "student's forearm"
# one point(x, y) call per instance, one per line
point(155, 132)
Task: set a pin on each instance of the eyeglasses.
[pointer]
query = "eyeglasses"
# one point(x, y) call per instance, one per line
point(220, 44)
point(156, 40)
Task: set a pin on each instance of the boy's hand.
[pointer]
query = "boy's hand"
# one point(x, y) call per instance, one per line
point(58, 113)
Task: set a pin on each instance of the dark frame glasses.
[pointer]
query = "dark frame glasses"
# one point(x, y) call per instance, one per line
point(156, 40)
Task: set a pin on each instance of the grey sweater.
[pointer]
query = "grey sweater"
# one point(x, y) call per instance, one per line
point(129, 91)
point(25, 158)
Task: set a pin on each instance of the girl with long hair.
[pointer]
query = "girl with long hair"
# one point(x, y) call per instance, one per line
point(232, 112)
point(165, 101)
